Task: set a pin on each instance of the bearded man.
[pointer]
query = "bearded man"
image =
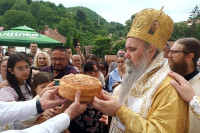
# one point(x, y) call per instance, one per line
point(146, 102)
point(59, 61)
point(182, 59)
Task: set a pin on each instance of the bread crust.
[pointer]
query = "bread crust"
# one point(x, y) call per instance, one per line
point(89, 86)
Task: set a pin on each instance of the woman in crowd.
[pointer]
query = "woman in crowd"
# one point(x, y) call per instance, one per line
point(88, 122)
point(41, 60)
point(19, 85)
point(77, 63)
point(103, 67)
point(19, 79)
point(94, 58)
point(115, 77)
point(3, 69)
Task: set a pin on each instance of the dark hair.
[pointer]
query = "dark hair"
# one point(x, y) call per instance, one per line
point(105, 64)
point(13, 59)
point(23, 53)
point(67, 47)
point(191, 45)
point(91, 57)
point(40, 78)
point(60, 48)
point(6, 54)
point(120, 55)
point(30, 55)
point(89, 66)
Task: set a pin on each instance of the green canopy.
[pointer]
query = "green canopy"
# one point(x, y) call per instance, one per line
point(22, 36)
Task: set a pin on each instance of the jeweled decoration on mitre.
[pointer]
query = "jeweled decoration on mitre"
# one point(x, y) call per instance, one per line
point(152, 26)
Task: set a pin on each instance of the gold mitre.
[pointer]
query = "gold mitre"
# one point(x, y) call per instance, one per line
point(152, 26)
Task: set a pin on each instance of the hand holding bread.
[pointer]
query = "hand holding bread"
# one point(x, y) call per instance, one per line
point(89, 87)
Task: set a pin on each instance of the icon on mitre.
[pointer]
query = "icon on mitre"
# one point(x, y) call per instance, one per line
point(154, 26)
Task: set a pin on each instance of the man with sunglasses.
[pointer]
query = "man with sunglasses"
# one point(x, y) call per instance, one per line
point(59, 61)
point(182, 59)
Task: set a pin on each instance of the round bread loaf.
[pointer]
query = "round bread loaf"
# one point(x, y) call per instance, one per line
point(89, 86)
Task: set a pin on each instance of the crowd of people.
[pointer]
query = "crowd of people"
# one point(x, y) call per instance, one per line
point(151, 87)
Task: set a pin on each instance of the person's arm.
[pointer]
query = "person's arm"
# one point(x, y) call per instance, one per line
point(186, 92)
point(60, 122)
point(182, 86)
point(168, 112)
point(78, 50)
point(56, 124)
point(12, 111)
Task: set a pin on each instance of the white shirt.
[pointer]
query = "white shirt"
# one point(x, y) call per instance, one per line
point(12, 111)
point(56, 124)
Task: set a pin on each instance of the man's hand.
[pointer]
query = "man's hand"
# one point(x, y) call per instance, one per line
point(104, 119)
point(50, 86)
point(51, 99)
point(76, 108)
point(78, 48)
point(183, 87)
point(107, 105)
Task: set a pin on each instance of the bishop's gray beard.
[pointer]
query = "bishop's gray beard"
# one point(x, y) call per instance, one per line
point(132, 74)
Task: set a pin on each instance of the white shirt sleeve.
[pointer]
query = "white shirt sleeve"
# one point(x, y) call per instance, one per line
point(12, 111)
point(56, 124)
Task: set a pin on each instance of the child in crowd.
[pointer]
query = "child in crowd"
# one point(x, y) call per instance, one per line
point(19, 86)
point(40, 81)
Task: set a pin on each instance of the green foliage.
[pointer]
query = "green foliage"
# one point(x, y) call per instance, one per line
point(5, 5)
point(117, 45)
point(43, 14)
point(80, 16)
point(102, 46)
point(76, 22)
point(13, 18)
point(65, 26)
point(20, 5)
point(28, 2)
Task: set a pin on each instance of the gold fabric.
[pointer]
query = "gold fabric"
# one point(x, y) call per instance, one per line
point(168, 114)
point(195, 106)
point(194, 120)
point(152, 26)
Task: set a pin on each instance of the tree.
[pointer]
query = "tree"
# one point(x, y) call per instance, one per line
point(66, 27)
point(20, 5)
point(117, 46)
point(181, 30)
point(28, 2)
point(21, 17)
point(102, 46)
point(5, 5)
point(193, 15)
point(80, 15)
point(44, 14)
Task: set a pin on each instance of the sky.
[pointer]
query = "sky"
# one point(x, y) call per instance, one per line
point(121, 10)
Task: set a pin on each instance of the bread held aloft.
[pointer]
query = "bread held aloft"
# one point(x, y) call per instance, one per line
point(89, 86)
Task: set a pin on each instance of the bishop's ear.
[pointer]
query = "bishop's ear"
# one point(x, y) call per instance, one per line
point(152, 50)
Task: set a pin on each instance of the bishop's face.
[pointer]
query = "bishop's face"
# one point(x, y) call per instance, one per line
point(176, 59)
point(135, 49)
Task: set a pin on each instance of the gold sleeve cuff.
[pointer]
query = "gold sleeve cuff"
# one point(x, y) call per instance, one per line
point(120, 113)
